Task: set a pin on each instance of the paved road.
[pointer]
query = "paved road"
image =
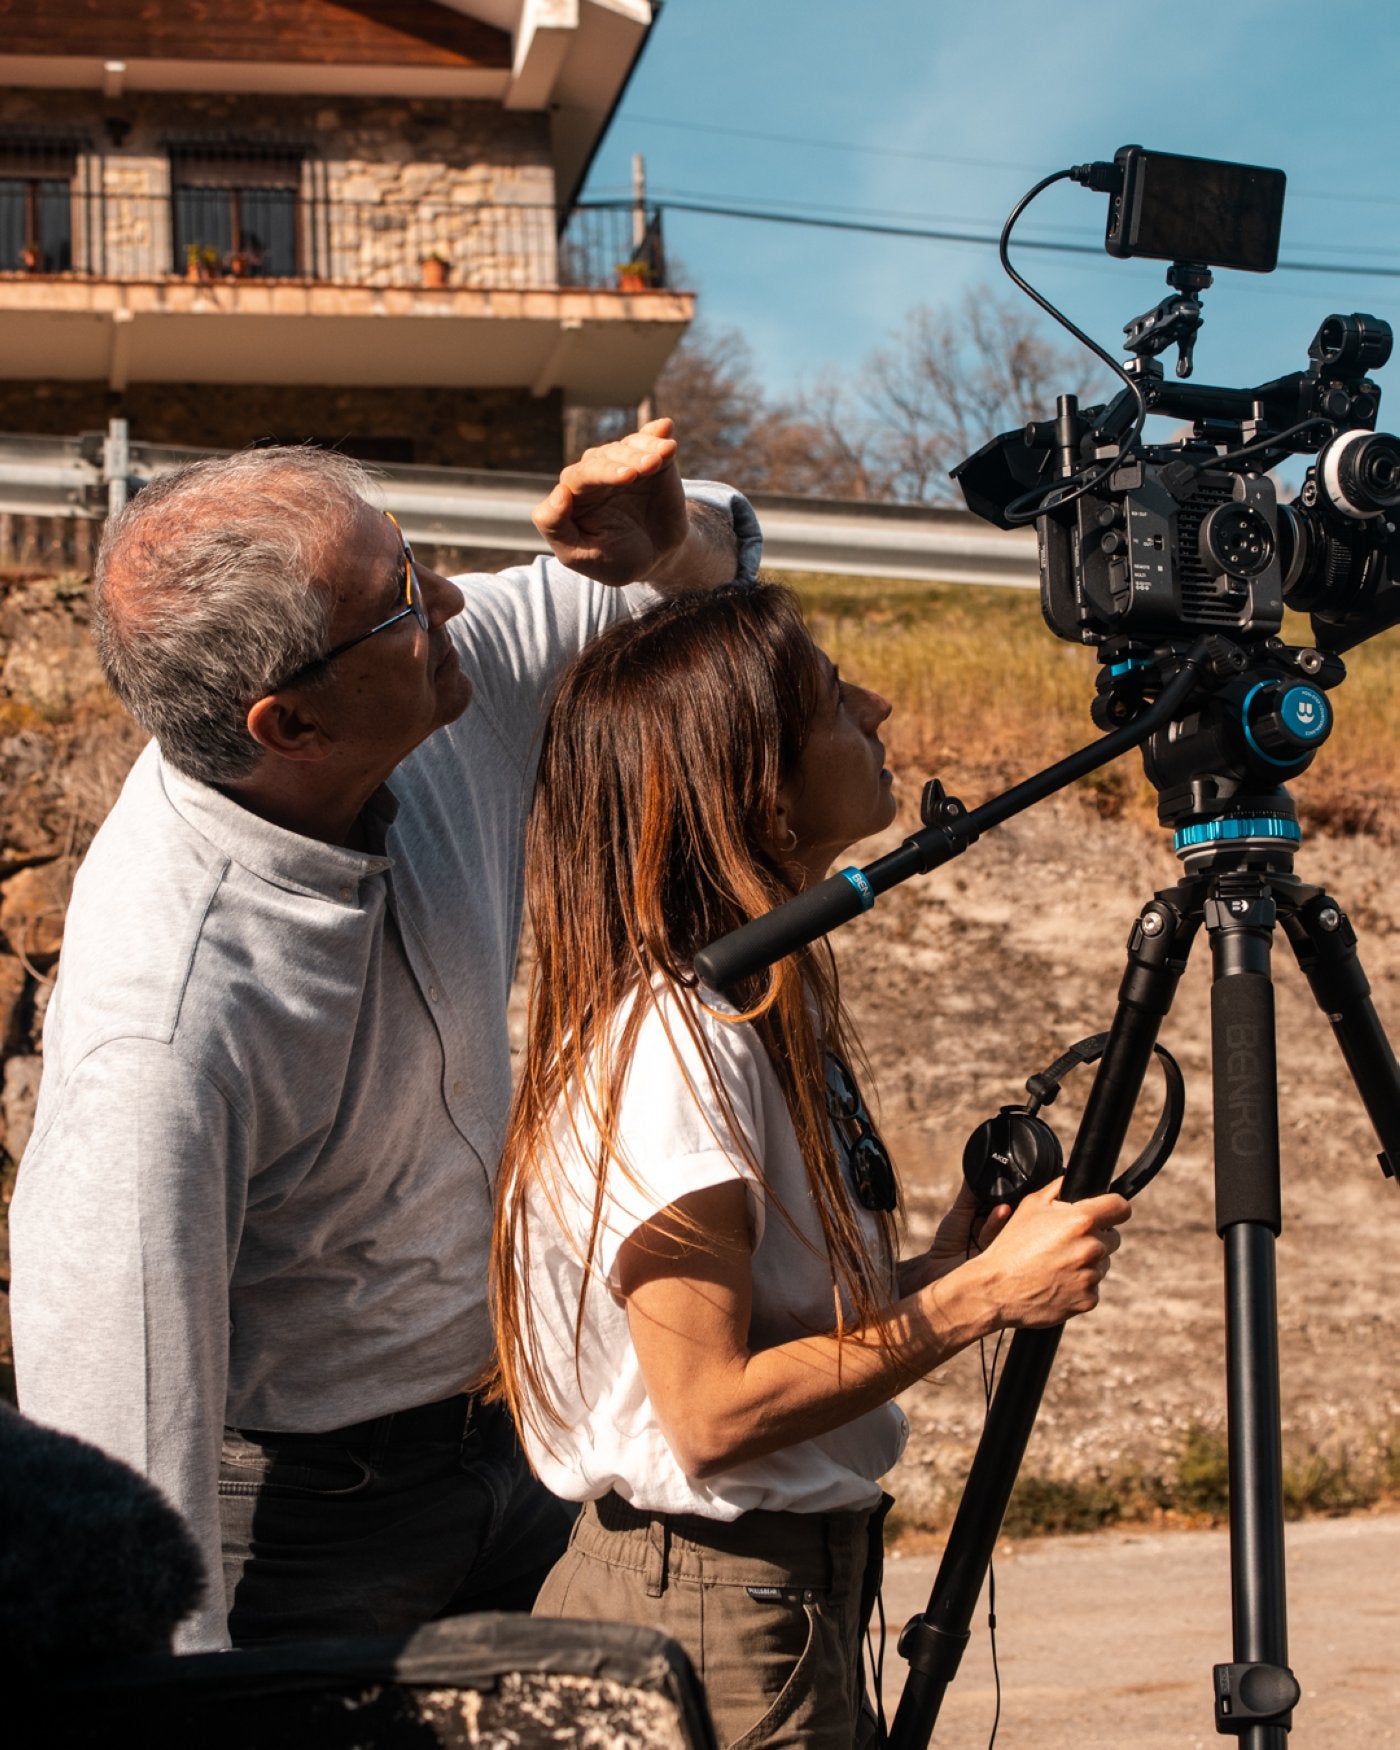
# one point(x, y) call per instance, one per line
point(1107, 1642)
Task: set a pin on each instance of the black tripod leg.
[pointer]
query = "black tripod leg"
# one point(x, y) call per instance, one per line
point(1254, 1695)
point(1325, 944)
point(933, 1643)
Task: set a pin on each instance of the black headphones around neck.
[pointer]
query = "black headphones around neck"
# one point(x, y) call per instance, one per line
point(1017, 1152)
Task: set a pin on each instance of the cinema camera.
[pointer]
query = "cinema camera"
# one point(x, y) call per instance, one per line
point(1176, 561)
point(1146, 547)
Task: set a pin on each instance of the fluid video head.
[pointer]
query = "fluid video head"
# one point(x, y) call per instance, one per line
point(1144, 542)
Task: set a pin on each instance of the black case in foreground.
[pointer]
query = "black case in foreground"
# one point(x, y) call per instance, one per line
point(487, 1680)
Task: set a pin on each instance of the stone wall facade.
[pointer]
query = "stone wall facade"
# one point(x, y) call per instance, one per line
point(382, 184)
point(506, 429)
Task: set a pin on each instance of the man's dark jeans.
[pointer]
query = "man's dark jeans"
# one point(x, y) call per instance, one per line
point(375, 1530)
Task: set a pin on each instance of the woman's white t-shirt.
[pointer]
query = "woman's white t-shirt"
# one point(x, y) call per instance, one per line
point(675, 1137)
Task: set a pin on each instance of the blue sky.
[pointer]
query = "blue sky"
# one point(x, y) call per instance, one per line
point(911, 111)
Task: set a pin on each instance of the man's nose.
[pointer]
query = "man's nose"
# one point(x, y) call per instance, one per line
point(443, 598)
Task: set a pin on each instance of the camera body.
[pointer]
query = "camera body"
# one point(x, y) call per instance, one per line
point(1167, 545)
point(1147, 542)
point(1174, 542)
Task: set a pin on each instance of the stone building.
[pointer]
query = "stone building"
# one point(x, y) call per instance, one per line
point(350, 221)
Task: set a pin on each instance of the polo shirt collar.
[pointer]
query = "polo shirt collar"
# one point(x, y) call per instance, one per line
point(273, 853)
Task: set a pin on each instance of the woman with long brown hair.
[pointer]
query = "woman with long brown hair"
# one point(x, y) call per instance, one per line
point(702, 1317)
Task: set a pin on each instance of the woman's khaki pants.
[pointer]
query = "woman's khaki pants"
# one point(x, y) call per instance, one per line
point(771, 1608)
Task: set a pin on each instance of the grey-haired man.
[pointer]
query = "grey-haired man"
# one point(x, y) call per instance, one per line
point(256, 1204)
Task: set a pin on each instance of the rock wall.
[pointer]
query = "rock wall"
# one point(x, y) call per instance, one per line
point(64, 748)
point(505, 429)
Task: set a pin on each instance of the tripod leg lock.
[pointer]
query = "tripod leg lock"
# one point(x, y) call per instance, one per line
point(1254, 1695)
point(932, 1651)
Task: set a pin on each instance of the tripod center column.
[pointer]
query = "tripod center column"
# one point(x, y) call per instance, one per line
point(1240, 914)
point(1240, 917)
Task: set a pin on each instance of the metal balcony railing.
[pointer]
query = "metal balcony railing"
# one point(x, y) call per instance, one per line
point(265, 232)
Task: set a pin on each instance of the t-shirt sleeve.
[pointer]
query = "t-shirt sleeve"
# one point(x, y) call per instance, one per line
point(682, 1129)
point(519, 627)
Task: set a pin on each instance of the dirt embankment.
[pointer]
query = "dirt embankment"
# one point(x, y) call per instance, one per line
point(967, 981)
point(963, 983)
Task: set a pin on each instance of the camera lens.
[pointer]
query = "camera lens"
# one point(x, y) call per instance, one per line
point(1360, 473)
point(1298, 544)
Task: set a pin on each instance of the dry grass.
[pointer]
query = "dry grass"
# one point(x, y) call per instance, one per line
point(984, 694)
point(1191, 1489)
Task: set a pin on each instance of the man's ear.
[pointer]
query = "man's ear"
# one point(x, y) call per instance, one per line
point(281, 724)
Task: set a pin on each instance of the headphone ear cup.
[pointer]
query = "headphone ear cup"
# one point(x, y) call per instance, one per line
point(1009, 1156)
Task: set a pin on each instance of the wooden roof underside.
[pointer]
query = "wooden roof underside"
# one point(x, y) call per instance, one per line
point(371, 33)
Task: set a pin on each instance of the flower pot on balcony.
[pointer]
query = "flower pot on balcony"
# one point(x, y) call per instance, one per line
point(31, 258)
point(434, 270)
point(633, 276)
point(201, 261)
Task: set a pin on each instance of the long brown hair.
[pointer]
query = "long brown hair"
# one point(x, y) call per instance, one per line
point(652, 834)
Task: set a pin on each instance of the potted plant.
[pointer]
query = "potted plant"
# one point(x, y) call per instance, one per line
point(201, 261)
point(435, 268)
point(31, 258)
point(634, 275)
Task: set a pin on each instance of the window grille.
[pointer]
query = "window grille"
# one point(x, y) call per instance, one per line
point(36, 203)
point(236, 203)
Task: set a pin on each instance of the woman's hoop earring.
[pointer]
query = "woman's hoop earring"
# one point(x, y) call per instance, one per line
point(791, 844)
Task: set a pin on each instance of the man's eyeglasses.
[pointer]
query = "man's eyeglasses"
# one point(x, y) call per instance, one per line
point(413, 604)
point(867, 1159)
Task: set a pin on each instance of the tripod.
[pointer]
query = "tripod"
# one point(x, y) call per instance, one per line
point(1226, 725)
point(1239, 882)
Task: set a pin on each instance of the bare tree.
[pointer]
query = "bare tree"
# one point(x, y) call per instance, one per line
point(952, 379)
point(730, 431)
point(943, 385)
point(819, 444)
point(710, 388)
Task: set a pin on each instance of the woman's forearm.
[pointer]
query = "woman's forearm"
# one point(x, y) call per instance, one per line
point(757, 1402)
point(722, 1402)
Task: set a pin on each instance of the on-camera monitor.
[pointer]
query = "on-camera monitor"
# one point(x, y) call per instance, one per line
point(1196, 209)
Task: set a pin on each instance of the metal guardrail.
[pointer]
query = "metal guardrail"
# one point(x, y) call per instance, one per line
point(454, 508)
point(924, 544)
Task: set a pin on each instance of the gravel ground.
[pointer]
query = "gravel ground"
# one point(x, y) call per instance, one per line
point(1108, 1641)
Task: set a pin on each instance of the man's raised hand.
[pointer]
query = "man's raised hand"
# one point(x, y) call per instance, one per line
point(618, 511)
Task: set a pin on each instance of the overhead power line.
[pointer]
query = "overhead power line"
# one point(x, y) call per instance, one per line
point(871, 228)
point(1332, 196)
point(658, 121)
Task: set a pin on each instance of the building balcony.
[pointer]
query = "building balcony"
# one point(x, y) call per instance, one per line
point(263, 286)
